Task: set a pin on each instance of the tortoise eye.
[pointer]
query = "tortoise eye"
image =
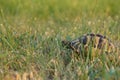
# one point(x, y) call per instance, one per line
point(65, 43)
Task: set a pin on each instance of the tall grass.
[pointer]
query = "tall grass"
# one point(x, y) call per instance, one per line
point(31, 32)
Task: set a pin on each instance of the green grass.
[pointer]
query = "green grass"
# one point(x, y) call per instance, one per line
point(31, 32)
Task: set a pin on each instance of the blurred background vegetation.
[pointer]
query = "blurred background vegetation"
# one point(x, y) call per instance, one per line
point(67, 14)
point(46, 9)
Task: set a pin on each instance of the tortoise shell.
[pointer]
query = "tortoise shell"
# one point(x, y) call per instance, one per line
point(95, 42)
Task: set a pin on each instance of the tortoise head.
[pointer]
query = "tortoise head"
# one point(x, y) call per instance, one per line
point(66, 44)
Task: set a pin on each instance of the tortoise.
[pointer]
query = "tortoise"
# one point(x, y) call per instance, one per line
point(96, 43)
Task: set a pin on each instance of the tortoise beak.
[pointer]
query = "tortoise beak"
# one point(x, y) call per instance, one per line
point(65, 43)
